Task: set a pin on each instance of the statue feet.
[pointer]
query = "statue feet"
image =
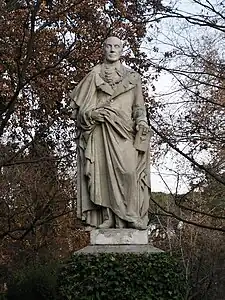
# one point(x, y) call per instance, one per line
point(106, 224)
point(120, 223)
point(138, 225)
point(89, 228)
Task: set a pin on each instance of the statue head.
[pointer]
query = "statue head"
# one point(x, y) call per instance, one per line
point(113, 48)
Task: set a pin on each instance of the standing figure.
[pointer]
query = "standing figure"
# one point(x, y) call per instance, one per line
point(113, 149)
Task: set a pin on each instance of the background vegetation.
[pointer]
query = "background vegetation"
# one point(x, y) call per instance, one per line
point(46, 47)
point(102, 276)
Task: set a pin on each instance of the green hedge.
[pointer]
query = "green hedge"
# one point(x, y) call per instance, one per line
point(33, 282)
point(3, 296)
point(100, 277)
point(120, 276)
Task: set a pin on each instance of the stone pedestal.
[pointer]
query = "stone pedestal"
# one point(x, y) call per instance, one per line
point(119, 237)
point(119, 241)
point(138, 249)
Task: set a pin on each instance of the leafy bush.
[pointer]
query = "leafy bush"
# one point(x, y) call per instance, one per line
point(120, 276)
point(3, 296)
point(36, 282)
point(101, 276)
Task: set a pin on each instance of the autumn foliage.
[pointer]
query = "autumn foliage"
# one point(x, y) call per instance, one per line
point(46, 48)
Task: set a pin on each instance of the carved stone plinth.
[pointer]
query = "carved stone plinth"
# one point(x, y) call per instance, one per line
point(138, 249)
point(119, 237)
point(119, 241)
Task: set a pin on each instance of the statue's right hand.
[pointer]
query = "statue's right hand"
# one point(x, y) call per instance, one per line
point(98, 115)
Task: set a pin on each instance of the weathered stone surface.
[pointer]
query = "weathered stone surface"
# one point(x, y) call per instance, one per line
point(96, 249)
point(113, 187)
point(119, 237)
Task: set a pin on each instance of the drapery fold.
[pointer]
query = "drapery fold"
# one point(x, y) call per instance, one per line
point(111, 172)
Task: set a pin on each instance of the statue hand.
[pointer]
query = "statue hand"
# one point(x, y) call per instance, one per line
point(98, 115)
point(144, 126)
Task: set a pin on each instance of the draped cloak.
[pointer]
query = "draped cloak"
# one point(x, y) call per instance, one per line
point(111, 172)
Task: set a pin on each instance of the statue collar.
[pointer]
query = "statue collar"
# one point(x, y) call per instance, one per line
point(129, 79)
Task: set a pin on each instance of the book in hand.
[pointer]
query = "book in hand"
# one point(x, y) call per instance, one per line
point(142, 140)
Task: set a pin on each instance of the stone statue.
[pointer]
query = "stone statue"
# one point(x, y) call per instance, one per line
point(113, 149)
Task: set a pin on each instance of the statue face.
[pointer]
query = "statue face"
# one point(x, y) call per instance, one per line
point(113, 49)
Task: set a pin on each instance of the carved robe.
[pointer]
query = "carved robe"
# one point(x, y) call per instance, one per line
point(112, 173)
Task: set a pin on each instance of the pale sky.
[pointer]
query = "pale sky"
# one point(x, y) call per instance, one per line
point(172, 164)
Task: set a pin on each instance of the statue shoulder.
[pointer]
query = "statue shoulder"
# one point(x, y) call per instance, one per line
point(93, 71)
point(133, 76)
point(96, 69)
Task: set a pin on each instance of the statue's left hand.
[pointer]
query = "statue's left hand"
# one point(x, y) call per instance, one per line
point(98, 115)
point(143, 125)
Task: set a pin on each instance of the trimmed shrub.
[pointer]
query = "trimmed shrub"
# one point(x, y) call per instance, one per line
point(35, 282)
point(124, 276)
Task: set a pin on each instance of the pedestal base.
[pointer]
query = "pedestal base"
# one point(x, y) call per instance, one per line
point(138, 249)
point(119, 241)
point(119, 237)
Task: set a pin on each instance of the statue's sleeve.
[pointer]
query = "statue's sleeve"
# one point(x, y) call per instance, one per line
point(73, 102)
point(75, 109)
point(139, 109)
point(82, 95)
point(84, 98)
